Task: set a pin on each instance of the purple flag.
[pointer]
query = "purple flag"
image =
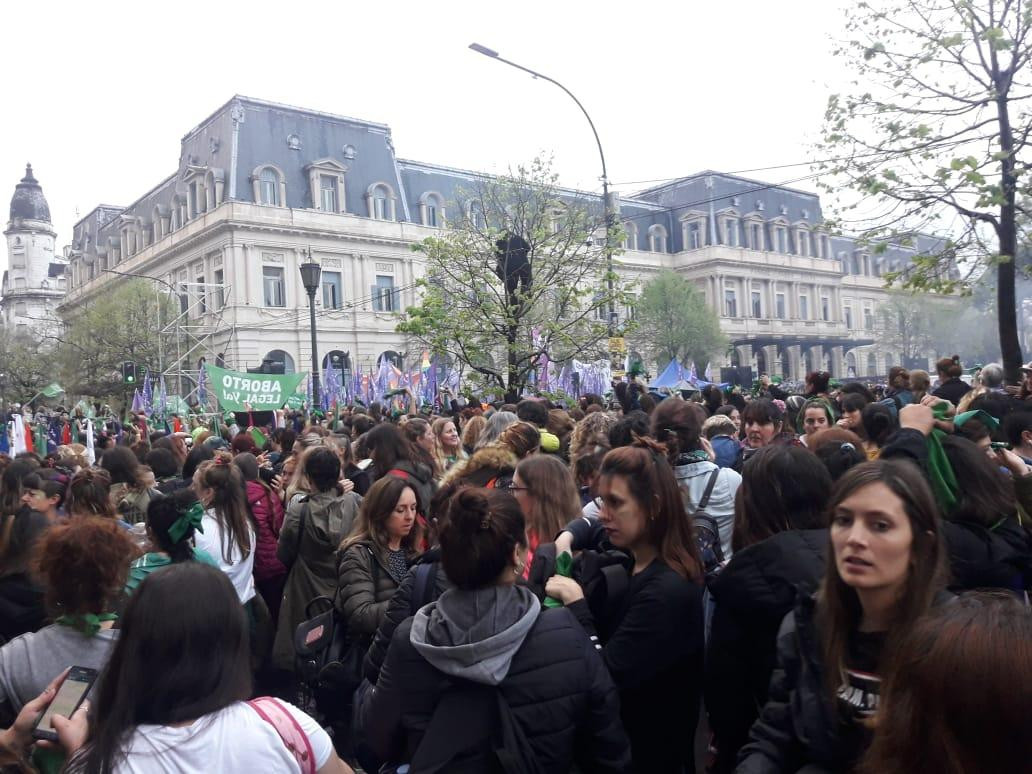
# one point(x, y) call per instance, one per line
point(137, 401)
point(148, 394)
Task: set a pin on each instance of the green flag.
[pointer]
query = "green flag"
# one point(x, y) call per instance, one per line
point(295, 401)
point(52, 390)
point(237, 391)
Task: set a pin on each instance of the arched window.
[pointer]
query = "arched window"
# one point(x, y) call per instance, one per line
point(657, 239)
point(278, 357)
point(431, 209)
point(269, 187)
point(851, 365)
point(630, 235)
point(380, 202)
point(337, 359)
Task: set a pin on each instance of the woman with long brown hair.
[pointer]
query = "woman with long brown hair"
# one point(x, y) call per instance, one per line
point(227, 534)
point(88, 495)
point(374, 558)
point(884, 573)
point(652, 638)
point(959, 693)
point(547, 494)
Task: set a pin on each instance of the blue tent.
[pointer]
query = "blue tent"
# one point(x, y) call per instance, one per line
point(671, 375)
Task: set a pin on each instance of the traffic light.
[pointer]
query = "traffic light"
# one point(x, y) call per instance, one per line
point(129, 372)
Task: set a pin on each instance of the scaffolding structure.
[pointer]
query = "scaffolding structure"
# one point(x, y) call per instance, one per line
point(194, 332)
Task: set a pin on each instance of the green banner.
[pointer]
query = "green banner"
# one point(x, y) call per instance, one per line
point(237, 391)
point(295, 401)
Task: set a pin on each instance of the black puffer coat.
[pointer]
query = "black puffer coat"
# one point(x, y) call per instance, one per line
point(557, 688)
point(798, 724)
point(399, 609)
point(753, 594)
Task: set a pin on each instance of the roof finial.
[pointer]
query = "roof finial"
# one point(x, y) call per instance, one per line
point(28, 174)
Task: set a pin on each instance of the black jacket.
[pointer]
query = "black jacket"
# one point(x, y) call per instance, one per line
point(952, 390)
point(998, 558)
point(799, 723)
point(653, 646)
point(557, 688)
point(21, 596)
point(398, 610)
point(752, 596)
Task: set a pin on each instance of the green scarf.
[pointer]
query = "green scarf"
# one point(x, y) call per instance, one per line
point(564, 567)
point(86, 623)
point(940, 473)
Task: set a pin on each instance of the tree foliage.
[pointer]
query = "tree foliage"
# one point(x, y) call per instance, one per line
point(125, 324)
point(26, 365)
point(934, 133)
point(673, 321)
point(466, 311)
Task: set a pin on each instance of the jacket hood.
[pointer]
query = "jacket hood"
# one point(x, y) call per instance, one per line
point(475, 634)
point(489, 458)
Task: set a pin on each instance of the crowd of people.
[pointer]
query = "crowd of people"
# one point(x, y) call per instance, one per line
point(829, 580)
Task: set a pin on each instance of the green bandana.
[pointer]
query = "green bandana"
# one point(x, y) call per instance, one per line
point(87, 623)
point(940, 473)
point(192, 518)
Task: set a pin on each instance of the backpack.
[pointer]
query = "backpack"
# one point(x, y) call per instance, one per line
point(707, 533)
point(329, 662)
point(472, 731)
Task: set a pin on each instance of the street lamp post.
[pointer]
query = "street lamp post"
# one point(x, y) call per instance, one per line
point(310, 272)
point(607, 201)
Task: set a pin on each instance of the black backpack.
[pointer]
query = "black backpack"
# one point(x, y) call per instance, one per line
point(707, 533)
point(473, 731)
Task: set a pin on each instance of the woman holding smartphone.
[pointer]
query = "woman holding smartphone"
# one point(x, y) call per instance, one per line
point(174, 695)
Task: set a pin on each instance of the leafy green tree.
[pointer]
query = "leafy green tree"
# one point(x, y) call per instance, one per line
point(125, 324)
point(934, 133)
point(26, 365)
point(673, 321)
point(556, 307)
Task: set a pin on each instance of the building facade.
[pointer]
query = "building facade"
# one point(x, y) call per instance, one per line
point(260, 187)
point(35, 282)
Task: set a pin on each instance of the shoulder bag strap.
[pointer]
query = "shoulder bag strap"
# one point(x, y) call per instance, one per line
point(709, 489)
point(421, 583)
point(288, 729)
point(300, 529)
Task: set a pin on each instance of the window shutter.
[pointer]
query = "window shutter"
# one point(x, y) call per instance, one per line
point(374, 295)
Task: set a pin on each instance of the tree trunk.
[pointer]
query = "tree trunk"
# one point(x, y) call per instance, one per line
point(1006, 303)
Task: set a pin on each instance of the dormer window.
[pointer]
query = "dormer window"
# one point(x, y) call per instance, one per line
point(270, 187)
point(326, 185)
point(431, 209)
point(732, 232)
point(657, 239)
point(380, 201)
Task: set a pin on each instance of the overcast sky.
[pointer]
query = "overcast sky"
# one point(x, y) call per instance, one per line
point(98, 95)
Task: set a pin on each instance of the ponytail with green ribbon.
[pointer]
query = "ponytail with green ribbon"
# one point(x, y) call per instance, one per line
point(187, 521)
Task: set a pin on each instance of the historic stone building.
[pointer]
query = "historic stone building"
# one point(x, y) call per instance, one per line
point(261, 186)
point(34, 282)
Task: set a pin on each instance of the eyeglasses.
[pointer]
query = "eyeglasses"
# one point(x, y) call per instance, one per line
point(514, 488)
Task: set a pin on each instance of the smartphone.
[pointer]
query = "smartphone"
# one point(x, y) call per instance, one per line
point(69, 696)
point(999, 445)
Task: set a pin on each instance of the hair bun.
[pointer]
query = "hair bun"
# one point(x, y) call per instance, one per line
point(471, 510)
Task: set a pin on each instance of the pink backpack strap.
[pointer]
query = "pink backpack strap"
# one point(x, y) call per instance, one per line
point(288, 729)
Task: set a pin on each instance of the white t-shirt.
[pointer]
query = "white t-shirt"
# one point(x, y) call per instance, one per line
point(240, 569)
point(234, 739)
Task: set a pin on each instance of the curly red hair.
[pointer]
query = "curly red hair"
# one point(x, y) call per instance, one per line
point(84, 564)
